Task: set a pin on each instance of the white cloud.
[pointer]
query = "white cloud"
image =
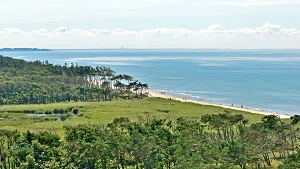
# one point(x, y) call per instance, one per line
point(166, 31)
point(267, 29)
point(60, 30)
point(215, 36)
point(11, 31)
point(80, 32)
point(39, 32)
point(258, 2)
point(215, 29)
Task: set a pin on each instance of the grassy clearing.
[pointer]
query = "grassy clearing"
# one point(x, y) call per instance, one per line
point(105, 112)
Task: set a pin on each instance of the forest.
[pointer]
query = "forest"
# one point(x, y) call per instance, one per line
point(216, 139)
point(37, 82)
point(215, 142)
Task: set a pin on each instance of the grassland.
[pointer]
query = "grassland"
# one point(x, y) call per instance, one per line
point(105, 112)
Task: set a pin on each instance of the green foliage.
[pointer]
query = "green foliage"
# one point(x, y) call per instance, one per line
point(291, 162)
point(180, 143)
point(152, 143)
point(64, 117)
point(39, 82)
point(32, 150)
point(75, 111)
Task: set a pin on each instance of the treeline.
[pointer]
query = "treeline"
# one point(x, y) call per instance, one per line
point(215, 142)
point(37, 82)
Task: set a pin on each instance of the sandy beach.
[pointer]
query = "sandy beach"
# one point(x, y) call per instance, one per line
point(165, 95)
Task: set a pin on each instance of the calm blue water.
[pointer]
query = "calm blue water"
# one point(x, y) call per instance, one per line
point(261, 79)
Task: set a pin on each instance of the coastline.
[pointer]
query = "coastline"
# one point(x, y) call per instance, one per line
point(167, 96)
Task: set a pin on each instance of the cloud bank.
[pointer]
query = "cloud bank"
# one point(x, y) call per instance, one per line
point(258, 2)
point(215, 36)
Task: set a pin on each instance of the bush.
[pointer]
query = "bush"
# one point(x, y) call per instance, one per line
point(48, 112)
point(75, 111)
point(291, 162)
point(70, 108)
point(63, 117)
point(5, 115)
point(59, 111)
point(29, 111)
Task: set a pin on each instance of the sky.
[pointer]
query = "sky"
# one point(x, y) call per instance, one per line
point(68, 24)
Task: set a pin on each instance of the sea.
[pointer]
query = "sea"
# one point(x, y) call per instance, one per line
point(267, 80)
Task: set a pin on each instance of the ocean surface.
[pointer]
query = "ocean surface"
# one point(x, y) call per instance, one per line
point(267, 80)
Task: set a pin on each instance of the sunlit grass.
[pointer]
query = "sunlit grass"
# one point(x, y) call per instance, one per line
point(106, 112)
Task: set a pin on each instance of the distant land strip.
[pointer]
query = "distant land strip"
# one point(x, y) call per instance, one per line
point(23, 49)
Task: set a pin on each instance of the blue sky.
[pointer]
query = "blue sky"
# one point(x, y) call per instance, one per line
point(168, 23)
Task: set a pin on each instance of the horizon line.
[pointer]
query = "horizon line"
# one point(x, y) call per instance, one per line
point(153, 48)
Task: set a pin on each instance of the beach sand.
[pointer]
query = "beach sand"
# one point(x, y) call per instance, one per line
point(165, 95)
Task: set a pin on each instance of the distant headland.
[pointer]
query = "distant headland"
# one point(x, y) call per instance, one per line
point(23, 49)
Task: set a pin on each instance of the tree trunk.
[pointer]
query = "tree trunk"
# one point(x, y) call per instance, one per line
point(267, 158)
point(103, 163)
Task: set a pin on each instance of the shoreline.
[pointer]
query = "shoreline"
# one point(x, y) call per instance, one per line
point(167, 96)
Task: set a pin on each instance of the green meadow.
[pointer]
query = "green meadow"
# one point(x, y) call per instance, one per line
point(106, 112)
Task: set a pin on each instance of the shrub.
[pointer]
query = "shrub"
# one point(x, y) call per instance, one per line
point(63, 117)
point(59, 111)
point(75, 111)
point(48, 112)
